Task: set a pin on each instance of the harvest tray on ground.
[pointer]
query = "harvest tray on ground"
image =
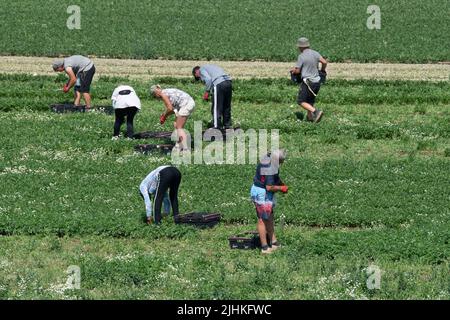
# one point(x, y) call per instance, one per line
point(153, 134)
point(168, 134)
point(199, 219)
point(246, 240)
point(71, 108)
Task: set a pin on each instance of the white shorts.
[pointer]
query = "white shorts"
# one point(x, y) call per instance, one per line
point(185, 110)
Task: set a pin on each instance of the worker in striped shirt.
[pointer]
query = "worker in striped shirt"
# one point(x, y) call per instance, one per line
point(162, 183)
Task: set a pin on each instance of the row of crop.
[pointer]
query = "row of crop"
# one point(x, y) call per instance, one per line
point(90, 187)
point(328, 264)
point(18, 92)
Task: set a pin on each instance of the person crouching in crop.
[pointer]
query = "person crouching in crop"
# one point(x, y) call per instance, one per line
point(181, 104)
point(265, 184)
point(157, 183)
point(80, 71)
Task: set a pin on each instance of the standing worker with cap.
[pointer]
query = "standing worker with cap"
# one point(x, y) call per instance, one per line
point(217, 80)
point(81, 71)
point(308, 67)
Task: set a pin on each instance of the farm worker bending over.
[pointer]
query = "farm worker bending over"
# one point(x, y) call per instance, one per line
point(180, 103)
point(265, 184)
point(126, 103)
point(157, 183)
point(220, 83)
point(81, 71)
point(308, 67)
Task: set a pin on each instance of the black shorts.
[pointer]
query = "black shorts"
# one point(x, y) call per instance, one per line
point(85, 79)
point(305, 94)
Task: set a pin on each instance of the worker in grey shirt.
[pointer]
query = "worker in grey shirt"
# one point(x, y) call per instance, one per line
point(308, 67)
point(216, 80)
point(81, 71)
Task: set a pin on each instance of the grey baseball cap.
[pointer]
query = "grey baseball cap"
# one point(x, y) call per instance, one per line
point(57, 64)
point(303, 42)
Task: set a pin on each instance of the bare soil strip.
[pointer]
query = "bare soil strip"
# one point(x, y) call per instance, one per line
point(148, 69)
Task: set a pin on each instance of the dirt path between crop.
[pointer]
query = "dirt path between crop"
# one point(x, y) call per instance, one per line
point(147, 69)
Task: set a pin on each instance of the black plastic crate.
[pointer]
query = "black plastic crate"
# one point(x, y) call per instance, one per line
point(151, 148)
point(66, 108)
point(198, 219)
point(71, 108)
point(153, 134)
point(247, 240)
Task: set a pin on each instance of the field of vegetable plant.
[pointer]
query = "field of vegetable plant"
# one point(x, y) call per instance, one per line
point(410, 30)
point(369, 186)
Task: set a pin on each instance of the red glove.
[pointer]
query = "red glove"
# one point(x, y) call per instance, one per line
point(66, 88)
point(206, 96)
point(162, 119)
point(284, 189)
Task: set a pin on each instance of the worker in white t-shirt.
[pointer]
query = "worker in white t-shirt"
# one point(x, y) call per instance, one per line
point(126, 103)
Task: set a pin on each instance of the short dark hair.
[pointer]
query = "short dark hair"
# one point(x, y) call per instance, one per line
point(195, 70)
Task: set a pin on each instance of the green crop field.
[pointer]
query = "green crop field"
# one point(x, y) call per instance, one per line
point(411, 30)
point(369, 185)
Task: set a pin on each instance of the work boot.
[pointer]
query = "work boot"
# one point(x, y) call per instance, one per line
point(317, 115)
point(276, 246)
point(267, 250)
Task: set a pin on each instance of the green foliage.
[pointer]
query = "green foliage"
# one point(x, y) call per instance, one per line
point(328, 264)
point(369, 184)
point(411, 31)
point(38, 92)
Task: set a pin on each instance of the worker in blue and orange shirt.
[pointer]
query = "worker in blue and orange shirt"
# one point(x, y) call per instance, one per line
point(265, 184)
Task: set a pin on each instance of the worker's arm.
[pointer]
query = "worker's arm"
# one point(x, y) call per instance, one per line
point(147, 201)
point(282, 188)
point(324, 63)
point(206, 78)
point(167, 104)
point(298, 67)
point(114, 97)
point(72, 77)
